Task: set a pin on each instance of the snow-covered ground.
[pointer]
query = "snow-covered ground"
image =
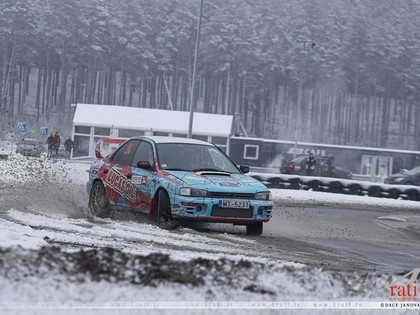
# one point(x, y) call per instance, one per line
point(55, 257)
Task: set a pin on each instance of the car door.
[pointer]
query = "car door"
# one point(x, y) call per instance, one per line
point(118, 185)
point(144, 178)
point(417, 179)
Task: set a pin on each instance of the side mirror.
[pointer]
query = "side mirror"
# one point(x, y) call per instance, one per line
point(144, 165)
point(244, 169)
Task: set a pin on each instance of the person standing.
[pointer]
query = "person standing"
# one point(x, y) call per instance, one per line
point(330, 166)
point(50, 145)
point(57, 142)
point(68, 145)
point(310, 165)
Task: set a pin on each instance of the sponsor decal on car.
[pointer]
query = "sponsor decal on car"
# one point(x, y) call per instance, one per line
point(140, 180)
point(121, 184)
point(196, 179)
point(223, 181)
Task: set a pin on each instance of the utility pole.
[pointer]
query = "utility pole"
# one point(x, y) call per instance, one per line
point(299, 101)
point(197, 45)
point(300, 90)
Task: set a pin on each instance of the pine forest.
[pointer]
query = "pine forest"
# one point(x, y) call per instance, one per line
point(337, 71)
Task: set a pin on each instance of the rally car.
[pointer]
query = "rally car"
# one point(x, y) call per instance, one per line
point(174, 179)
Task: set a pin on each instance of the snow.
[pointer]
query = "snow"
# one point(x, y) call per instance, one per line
point(315, 198)
point(26, 232)
point(365, 185)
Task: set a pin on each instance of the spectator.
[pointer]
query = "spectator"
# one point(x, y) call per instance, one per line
point(50, 144)
point(68, 145)
point(310, 166)
point(57, 142)
point(330, 166)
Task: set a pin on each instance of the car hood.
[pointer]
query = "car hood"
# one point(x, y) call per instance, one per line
point(219, 181)
point(398, 175)
point(31, 147)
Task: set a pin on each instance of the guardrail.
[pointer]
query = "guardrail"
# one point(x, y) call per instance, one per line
point(339, 186)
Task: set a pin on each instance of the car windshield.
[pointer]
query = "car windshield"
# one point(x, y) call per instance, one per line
point(413, 171)
point(299, 159)
point(193, 157)
point(302, 159)
point(30, 142)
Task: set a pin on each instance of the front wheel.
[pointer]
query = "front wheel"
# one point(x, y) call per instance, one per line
point(254, 228)
point(164, 215)
point(98, 201)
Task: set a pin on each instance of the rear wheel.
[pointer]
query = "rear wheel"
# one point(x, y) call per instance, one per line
point(164, 215)
point(254, 228)
point(98, 201)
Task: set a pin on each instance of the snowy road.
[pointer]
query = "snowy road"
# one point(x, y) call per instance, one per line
point(51, 198)
point(349, 239)
point(331, 238)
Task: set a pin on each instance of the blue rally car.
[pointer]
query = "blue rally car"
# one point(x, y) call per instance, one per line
point(175, 179)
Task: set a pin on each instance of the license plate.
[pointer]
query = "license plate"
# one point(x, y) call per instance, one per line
point(234, 204)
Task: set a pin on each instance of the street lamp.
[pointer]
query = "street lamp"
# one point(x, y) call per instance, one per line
point(311, 44)
point(197, 44)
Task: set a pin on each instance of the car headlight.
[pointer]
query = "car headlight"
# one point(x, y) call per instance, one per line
point(193, 192)
point(266, 195)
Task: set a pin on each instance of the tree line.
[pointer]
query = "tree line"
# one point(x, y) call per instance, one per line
point(339, 71)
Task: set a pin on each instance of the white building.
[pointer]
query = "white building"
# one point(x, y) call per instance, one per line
point(93, 122)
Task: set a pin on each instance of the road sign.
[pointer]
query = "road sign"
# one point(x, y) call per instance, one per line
point(44, 131)
point(22, 127)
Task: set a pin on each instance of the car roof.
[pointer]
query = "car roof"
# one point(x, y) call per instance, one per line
point(29, 139)
point(306, 156)
point(299, 158)
point(163, 139)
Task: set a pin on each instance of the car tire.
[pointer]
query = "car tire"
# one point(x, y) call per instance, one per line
point(98, 200)
point(164, 215)
point(254, 228)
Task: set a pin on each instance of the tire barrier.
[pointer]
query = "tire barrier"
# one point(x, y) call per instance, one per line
point(337, 186)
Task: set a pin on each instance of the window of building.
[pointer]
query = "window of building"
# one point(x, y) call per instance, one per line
point(162, 134)
point(219, 140)
point(251, 151)
point(375, 165)
point(102, 131)
point(82, 129)
point(128, 133)
point(181, 135)
point(81, 146)
point(203, 138)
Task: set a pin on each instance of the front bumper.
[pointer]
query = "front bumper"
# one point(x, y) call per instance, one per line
point(208, 210)
point(89, 185)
